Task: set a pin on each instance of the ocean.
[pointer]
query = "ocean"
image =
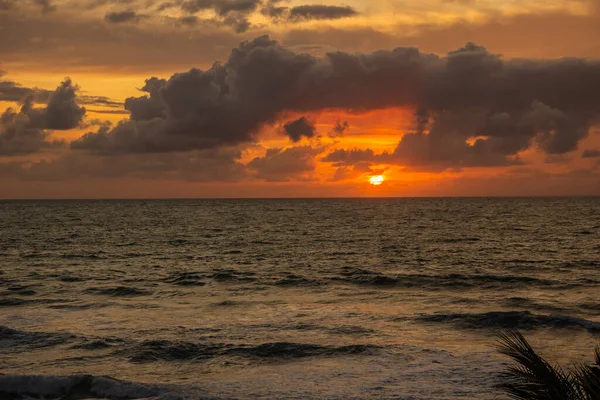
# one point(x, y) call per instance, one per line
point(290, 299)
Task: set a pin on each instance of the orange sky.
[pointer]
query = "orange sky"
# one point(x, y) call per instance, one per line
point(108, 51)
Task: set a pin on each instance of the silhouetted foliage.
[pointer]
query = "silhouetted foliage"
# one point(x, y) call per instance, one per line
point(533, 378)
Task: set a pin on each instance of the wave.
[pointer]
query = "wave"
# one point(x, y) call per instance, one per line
point(199, 279)
point(366, 277)
point(72, 387)
point(294, 280)
point(460, 240)
point(119, 291)
point(522, 302)
point(233, 275)
point(186, 279)
point(10, 338)
point(511, 320)
point(165, 350)
point(17, 301)
point(98, 344)
point(297, 350)
point(13, 301)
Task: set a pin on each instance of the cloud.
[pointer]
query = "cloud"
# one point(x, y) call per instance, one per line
point(320, 12)
point(46, 6)
point(591, 153)
point(299, 128)
point(188, 20)
point(61, 112)
point(18, 137)
point(200, 166)
point(343, 158)
point(14, 92)
point(273, 10)
point(25, 132)
point(339, 128)
point(232, 13)
point(221, 7)
point(118, 17)
point(280, 165)
point(472, 107)
point(147, 107)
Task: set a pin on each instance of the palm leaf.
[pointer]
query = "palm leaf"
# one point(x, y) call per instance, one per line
point(532, 377)
point(588, 377)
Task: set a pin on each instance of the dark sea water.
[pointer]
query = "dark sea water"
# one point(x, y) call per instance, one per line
point(291, 299)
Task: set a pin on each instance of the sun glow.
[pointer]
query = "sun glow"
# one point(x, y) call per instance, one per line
point(376, 180)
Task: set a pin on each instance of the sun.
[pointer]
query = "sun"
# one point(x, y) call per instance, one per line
point(376, 180)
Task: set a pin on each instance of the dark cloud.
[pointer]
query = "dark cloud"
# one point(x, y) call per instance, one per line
point(221, 7)
point(115, 112)
point(272, 9)
point(92, 4)
point(24, 132)
point(339, 128)
point(98, 101)
point(188, 20)
point(473, 108)
point(147, 107)
point(46, 6)
point(19, 137)
point(280, 165)
point(61, 112)
point(591, 153)
point(201, 166)
point(343, 158)
point(320, 12)
point(14, 92)
point(232, 13)
point(299, 128)
point(118, 17)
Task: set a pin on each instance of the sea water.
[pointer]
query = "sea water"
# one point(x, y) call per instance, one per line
point(291, 299)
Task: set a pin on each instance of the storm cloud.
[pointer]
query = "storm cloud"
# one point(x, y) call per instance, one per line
point(472, 107)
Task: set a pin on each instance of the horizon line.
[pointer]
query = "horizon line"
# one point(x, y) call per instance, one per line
point(295, 198)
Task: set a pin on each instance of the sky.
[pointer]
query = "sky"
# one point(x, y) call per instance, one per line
point(294, 98)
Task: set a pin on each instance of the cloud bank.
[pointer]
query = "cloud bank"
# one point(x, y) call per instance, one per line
point(472, 107)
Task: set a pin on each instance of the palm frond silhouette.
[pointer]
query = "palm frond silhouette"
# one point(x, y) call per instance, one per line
point(533, 378)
